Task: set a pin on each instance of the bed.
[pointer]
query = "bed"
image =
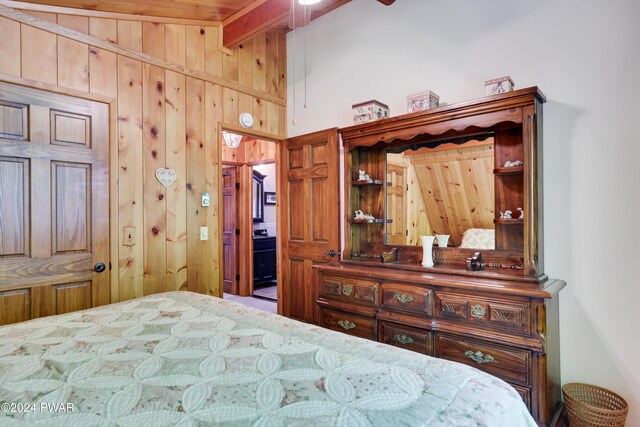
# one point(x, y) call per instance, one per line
point(187, 359)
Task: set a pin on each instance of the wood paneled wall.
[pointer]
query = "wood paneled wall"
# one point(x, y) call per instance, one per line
point(457, 188)
point(164, 119)
point(251, 151)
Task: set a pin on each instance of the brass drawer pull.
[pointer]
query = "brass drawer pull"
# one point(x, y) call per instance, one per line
point(478, 311)
point(403, 298)
point(403, 339)
point(479, 357)
point(346, 324)
point(347, 290)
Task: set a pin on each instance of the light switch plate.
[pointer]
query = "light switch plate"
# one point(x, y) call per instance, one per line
point(128, 236)
point(206, 201)
point(204, 233)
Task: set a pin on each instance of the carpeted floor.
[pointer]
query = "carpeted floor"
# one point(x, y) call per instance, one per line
point(261, 304)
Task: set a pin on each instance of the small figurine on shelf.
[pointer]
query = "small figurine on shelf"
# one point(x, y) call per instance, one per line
point(506, 214)
point(515, 163)
point(363, 216)
point(363, 176)
point(521, 213)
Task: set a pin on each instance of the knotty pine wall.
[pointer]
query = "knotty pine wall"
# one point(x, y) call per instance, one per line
point(164, 119)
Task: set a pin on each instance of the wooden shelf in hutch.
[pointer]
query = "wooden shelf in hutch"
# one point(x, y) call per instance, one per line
point(508, 221)
point(370, 221)
point(509, 171)
point(375, 183)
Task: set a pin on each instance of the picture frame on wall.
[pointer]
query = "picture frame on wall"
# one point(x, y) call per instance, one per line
point(269, 198)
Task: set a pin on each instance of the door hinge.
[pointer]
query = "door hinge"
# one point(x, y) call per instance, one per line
point(237, 277)
point(237, 186)
point(237, 231)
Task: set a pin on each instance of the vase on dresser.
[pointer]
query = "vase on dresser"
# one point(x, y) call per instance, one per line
point(427, 250)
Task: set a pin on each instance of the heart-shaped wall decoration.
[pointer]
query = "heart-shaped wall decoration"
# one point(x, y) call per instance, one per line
point(166, 176)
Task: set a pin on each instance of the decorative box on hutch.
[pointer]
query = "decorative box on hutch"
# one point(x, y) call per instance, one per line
point(499, 85)
point(369, 111)
point(421, 101)
point(502, 319)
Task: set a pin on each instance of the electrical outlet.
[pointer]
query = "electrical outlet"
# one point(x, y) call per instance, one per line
point(204, 233)
point(129, 236)
point(206, 201)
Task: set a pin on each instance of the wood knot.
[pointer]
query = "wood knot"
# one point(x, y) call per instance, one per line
point(239, 46)
point(189, 186)
point(154, 153)
point(202, 31)
point(155, 230)
point(154, 132)
point(258, 100)
point(201, 145)
point(258, 62)
point(161, 197)
point(130, 83)
point(159, 86)
point(93, 52)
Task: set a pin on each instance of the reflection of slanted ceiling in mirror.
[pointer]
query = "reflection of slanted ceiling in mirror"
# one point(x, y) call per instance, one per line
point(442, 190)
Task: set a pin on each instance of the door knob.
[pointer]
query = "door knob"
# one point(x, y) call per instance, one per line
point(99, 267)
point(332, 253)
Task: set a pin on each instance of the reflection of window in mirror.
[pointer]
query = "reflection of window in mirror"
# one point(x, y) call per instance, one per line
point(257, 195)
point(442, 187)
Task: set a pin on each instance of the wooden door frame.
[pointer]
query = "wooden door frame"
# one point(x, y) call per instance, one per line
point(246, 227)
point(113, 165)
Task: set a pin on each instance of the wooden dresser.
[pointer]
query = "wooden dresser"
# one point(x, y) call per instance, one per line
point(506, 328)
point(455, 170)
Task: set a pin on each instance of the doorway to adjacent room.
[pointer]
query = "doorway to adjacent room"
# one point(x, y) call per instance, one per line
point(249, 233)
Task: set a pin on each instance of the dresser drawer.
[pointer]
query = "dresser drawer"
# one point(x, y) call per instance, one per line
point(510, 364)
point(358, 326)
point(503, 313)
point(525, 394)
point(409, 298)
point(417, 340)
point(349, 290)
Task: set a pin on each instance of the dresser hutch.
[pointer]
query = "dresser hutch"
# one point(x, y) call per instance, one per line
point(491, 307)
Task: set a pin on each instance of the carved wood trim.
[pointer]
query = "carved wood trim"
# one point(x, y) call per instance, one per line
point(497, 109)
point(453, 308)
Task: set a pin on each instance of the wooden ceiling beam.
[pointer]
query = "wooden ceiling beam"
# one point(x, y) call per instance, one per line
point(245, 25)
point(263, 15)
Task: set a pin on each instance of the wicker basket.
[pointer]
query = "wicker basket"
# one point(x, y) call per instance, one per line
point(591, 406)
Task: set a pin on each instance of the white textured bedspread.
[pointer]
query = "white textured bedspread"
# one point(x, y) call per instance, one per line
point(187, 359)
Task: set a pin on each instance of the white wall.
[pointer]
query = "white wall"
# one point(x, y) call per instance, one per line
point(585, 56)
